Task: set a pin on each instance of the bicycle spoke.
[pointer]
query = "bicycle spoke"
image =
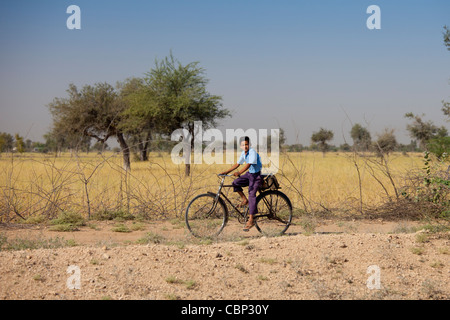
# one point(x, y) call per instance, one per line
point(274, 213)
point(205, 216)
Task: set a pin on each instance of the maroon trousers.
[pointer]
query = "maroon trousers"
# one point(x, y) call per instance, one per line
point(253, 181)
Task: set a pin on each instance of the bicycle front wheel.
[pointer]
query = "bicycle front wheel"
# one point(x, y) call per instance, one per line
point(274, 213)
point(205, 216)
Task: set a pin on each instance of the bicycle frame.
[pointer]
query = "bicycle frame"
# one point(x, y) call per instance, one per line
point(268, 210)
point(220, 193)
point(242, 214)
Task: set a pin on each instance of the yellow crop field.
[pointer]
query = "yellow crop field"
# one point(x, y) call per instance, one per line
point(35, 185)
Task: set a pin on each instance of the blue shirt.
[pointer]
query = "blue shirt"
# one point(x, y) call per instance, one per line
point(252, 158)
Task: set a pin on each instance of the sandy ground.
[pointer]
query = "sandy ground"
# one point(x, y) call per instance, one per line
point(339, 260)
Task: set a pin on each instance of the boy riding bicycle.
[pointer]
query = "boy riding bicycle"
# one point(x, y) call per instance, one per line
point(252, 178)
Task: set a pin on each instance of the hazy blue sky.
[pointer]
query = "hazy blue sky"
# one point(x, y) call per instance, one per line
point(299, 65)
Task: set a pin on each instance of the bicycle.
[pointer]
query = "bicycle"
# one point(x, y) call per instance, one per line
point(207, 214)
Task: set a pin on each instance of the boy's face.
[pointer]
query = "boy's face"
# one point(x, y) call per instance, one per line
point(244, 146)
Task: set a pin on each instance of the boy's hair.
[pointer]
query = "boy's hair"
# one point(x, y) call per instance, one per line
point(246, 139)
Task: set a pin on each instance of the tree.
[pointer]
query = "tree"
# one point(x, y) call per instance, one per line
point(446, 105)
point(178, 94)
point(421, 130)
point(361, 137)
point(386, 142)
point(447, 37)
point(20, 145)
point(321, 137)
point(281, 139)
point(297, 147)
point(446, 109)
point(440, 147)
point(6, 142)
point(2, 142)
point(28, 145)
point(100, 147)
point(345, 147)
point(59, 139)
point(93, 112)
point(140, 118)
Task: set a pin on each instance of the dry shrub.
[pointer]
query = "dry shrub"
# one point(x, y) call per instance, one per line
point(426, 194)
point(406, 209)
point(351, 184)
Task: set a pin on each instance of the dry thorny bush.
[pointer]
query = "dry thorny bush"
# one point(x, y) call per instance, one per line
point(422, 194)
point(44, 187)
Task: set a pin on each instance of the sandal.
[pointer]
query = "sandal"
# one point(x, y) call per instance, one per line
point(248, 227)
point(242, 205)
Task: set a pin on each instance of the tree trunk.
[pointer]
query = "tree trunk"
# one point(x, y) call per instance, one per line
point(187, 168)
point(142, 151)
point(143, 147)
point(125, 151)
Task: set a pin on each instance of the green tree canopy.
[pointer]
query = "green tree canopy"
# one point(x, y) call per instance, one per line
point(178, 96)
point(6, 142)
point(446, 105)
point(171, 96)
point(447, 37)
point(361, 137)
point(19, 143)
point(424, 131)
point(141, 118)
point(94, 112)
point(321, 137)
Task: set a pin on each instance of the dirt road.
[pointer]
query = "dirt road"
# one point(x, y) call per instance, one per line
point(351, 260)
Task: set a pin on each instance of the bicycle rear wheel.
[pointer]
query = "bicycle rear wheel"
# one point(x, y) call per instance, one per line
point(206, 217)
point(274, 213)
